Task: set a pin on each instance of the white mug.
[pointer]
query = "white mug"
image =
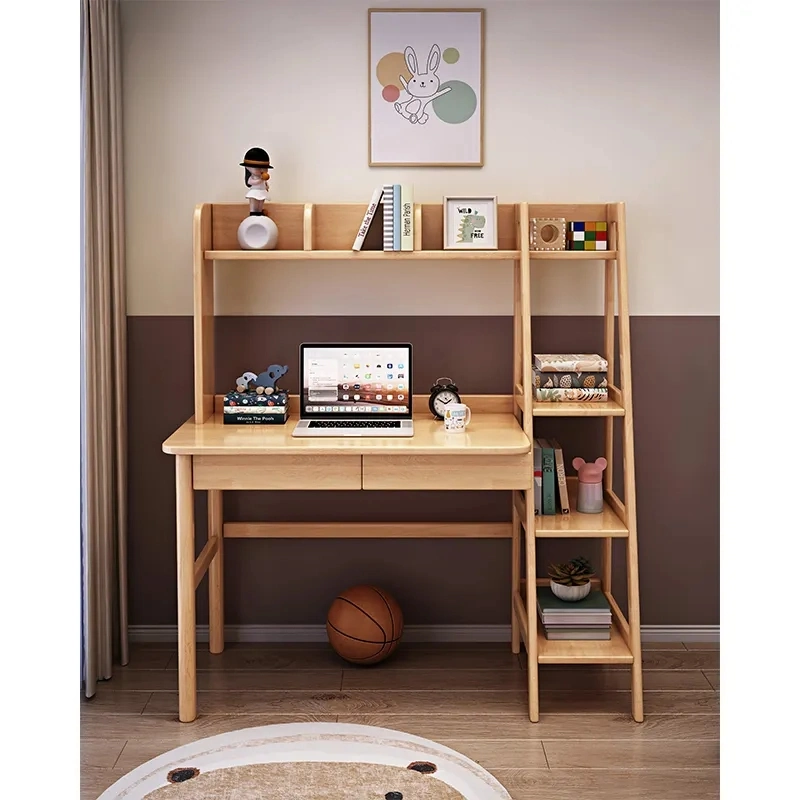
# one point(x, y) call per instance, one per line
point(457, 417)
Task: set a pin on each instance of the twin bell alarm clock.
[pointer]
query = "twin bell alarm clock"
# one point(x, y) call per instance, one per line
point(443, 392)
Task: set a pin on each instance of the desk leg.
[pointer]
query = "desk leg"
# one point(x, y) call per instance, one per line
point(515, 573)
point(187, 658)
point(216, 594)
point(533, 641)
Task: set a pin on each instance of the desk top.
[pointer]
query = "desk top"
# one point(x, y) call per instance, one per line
point(488, 434)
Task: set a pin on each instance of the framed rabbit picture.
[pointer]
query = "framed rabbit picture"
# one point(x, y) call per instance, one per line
point(426, 87)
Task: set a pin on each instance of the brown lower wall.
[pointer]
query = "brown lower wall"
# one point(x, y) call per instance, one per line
point(676, 421)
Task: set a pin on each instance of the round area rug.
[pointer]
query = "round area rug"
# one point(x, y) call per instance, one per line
point(310, 761)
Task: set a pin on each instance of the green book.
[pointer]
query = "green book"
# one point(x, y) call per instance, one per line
point(549, 483)
point(594, 601)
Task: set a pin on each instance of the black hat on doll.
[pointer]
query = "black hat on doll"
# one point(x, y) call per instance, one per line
point(256, 157)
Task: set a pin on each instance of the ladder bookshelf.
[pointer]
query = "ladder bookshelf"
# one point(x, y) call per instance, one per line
point(618, 519)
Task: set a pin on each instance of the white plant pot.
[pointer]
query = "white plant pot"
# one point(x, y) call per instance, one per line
point(570, 594)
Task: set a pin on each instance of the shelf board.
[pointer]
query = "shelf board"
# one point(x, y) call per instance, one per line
point(574, 255)
point(578, 409)
point(363, 255)
point(577, 525)
point(577, 651)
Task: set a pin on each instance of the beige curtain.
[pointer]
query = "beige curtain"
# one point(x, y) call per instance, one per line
point(103, 343)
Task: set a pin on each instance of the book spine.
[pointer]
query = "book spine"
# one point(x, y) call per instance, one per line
point(368, 216)
point(569, 380)
point(561, 478)
point(570, 362)
point(571, 395)
point(406, 217)
point(254, 419)
point(548, 479)
point(583, 635)
point(396, 210)
point(254, 410)
point(388, 217)
point(537, 478)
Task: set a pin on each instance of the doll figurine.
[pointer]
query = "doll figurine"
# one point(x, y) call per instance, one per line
point(257, 231)
point(256, 178)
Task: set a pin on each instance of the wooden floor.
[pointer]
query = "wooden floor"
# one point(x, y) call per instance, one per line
point(469, 697)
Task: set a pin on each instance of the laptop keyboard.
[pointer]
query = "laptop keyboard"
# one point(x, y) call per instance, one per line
point(354, 423)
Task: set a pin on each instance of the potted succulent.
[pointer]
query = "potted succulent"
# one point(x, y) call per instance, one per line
point(571, 581)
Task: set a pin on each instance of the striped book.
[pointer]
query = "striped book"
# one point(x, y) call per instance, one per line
point(388, 216)
point(571, 395)
point(396, 209)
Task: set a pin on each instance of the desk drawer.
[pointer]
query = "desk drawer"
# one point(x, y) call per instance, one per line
point(448, 472)
point(277, 472)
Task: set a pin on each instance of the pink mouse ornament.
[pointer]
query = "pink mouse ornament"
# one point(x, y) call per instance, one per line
point(590, 485)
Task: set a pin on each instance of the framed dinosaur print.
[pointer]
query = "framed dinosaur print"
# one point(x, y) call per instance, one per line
point(426, 87)
point(470, 223)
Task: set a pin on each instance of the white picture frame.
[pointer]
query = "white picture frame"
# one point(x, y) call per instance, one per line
point(425, 90)
point(460, 215)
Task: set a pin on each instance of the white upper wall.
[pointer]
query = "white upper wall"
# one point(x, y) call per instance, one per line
point(591, 101)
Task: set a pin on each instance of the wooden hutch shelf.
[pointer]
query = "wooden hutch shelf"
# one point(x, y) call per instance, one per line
point(495, 454)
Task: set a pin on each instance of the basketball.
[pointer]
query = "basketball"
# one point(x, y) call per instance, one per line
point(364, 624)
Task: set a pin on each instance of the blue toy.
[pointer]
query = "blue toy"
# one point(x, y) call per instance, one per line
point(264, 383)
point(269, 378)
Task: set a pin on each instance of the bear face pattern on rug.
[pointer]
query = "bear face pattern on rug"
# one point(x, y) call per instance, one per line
point(309, 761)
point(307, 780)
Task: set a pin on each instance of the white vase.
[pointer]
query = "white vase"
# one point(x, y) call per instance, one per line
point(258, 233)
point(570, 594)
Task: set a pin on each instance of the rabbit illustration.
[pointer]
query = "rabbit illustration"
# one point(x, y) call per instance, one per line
point(423, 86)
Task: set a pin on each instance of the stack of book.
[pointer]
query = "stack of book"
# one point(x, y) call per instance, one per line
point(251, 408)
point(570, 377)
point(549, 478)
point(589, 618)
point(388, 222)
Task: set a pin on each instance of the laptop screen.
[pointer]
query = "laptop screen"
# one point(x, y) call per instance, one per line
point(347, 380)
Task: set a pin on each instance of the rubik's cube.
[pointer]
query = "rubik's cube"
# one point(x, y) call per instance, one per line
point(588, 236)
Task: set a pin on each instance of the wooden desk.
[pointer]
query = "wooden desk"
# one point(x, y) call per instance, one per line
point(493, 454)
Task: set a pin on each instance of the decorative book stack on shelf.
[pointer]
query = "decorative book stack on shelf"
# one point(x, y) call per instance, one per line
point(570, 377)
point(390, 213)
point(582, 620)
point(550, 477)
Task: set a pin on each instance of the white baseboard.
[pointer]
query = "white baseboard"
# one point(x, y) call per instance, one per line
point(411, 633)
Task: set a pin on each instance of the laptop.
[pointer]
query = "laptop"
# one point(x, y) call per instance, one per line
point(355, 389)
